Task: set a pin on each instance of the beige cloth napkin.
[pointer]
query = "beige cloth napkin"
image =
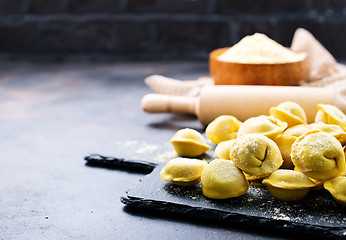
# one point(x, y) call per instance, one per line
point(170, 86)
point(322, 70)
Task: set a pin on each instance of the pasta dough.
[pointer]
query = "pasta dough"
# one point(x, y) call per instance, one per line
point(335, 130)
point(297, 130)
point(256, 154)
point(189, 143)
point(223, 128)
point(285, 145)
point(330, 114)
point(289, 112)
point(258, 147)
point(318, 155)
point(266, 125)
point(332, 129)
point(318, 184)
point(223, 148)
point(254, 178)
point(222, 179)
point(288, 185)
point(183, 171)
point(337, 187)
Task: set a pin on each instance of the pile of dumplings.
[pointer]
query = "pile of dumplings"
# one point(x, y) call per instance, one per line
point(281, 151)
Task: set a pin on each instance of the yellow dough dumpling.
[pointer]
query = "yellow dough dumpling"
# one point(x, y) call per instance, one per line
point(332, 129)
point(297, 130)
point(318, 184)
point(318, 155)
point(337, 187)
point(256, 154)
point(254, 178)
point(183, 171)
point(223, 148)
point(222, 179)
point(266, 125)
point(189, 143)
point(285, 144)
point(289, 112)
point(288, 185)
point(223, 128)
point(335, 130)
point(330, 114)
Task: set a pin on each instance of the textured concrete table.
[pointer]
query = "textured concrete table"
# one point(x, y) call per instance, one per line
point(51, 116)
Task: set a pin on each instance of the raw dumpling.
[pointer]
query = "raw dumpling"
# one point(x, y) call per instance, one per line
point(289, 112)
point(288, 185)
point(318, 155)
point(337, 187)
point(335, 130)
point(256, 154)
point(189, 143)
point(254, 178)
point(330, 114)
point(285, 144)
point(266, 125)
point(223, 148)
point(222, 179)
point(183, 171)
point(332, 129)
point(297, 130)
point(223, 128)
point(318, 184)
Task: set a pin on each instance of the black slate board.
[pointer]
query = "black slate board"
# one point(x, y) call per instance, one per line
point(318, 214)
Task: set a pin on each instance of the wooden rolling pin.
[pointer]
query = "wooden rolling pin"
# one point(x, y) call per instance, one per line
point(243, 102)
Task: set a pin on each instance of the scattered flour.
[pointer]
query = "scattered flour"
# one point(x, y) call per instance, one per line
point(146, 148)
point(164, 157)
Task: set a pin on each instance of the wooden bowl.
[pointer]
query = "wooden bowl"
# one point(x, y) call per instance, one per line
point(231, 73)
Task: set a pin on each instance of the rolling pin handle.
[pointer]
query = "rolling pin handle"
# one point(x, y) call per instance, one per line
point(162, 103)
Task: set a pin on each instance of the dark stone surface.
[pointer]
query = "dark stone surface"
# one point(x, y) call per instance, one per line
point(337, 6)
point(131, 37)
point(316, 215)
point(91, 6)
point(18, 35)
point(13, 6)
point(262, 25)
point(79, 36)
point(46, 6)
point(158, 29)
point(52, 116)
point(328, 34)
point(191, 35)
point(335, 45)
point(260, 6)
point(287, 27)
point(167, 6)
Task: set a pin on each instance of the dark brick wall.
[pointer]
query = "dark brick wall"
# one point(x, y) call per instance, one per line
point(159, 29)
